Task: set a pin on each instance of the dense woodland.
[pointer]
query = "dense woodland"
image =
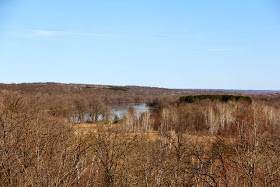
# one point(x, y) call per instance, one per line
point(200, 143)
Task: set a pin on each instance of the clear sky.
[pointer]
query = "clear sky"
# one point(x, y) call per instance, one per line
point(219, 44)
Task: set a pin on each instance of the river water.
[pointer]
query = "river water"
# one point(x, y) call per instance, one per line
point(118, 110)
point(121, 109)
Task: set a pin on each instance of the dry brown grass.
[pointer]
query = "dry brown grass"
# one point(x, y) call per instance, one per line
point(86, 128)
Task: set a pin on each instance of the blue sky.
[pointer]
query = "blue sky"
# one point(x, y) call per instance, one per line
point(166, 43)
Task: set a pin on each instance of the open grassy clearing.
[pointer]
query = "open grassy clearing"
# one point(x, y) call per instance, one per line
point(88, 128)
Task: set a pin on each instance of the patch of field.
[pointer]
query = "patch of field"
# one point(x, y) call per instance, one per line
point(86, 128)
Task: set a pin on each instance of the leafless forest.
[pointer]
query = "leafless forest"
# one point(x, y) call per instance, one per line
point(204, 143)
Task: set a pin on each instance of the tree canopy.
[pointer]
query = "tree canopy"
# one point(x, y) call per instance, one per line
point(222, 98)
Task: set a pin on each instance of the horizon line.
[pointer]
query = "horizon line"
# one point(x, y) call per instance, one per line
point(215, 89)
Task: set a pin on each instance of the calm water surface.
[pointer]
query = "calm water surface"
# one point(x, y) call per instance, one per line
point(122, 109)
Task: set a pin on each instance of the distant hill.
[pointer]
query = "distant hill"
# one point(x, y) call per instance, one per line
point(120, 94)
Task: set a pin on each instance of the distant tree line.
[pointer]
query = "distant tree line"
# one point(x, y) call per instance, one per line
point(117, 94)
point(222, 98)
point(117, 88)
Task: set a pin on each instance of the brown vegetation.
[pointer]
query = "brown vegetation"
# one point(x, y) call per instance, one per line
point(45, 141)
